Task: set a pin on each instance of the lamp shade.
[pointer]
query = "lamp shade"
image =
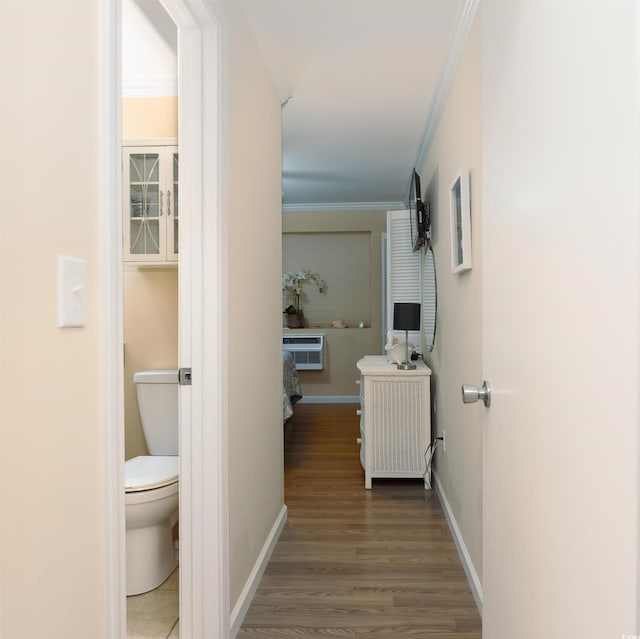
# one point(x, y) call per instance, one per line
point(406, 316)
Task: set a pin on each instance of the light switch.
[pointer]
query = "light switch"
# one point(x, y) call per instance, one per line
point(70, 291)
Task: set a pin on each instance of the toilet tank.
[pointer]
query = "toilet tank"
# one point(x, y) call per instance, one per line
point(158, 405)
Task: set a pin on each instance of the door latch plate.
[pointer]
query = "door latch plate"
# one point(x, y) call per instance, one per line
point(184, 376)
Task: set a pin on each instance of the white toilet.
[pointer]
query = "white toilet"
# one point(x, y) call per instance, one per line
point(151, 484)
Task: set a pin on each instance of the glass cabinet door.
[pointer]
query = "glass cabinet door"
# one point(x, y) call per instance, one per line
point(144, 204)
point(150, 208)
point(173, 241)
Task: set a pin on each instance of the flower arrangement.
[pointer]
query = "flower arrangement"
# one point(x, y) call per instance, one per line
point(293, 282)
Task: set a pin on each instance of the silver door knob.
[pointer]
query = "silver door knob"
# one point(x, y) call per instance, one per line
point(471, 394)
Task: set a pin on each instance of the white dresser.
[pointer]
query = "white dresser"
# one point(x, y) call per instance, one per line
point(395, 419)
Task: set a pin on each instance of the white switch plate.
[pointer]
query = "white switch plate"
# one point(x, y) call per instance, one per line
point(70, 291)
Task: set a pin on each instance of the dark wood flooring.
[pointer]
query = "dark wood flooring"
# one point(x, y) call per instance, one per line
point(354, 563)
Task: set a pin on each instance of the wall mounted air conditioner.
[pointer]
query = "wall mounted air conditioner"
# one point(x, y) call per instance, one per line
point(307, 350)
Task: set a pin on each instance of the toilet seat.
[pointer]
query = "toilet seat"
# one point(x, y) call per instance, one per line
point(149, 472)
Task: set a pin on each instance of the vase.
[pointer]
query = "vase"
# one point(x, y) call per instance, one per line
point(295, 320)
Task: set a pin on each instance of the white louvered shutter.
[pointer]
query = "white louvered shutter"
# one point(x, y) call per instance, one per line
point(384, 292)
point(403, 269)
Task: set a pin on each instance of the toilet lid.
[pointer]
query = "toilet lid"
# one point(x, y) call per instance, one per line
point(150, 471)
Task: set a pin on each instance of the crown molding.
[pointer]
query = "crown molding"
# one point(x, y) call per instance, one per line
point(344, 206)
point(150, 88)
point(464, 21)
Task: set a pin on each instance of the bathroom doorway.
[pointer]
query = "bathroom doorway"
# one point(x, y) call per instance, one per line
point(150, 162)
point(203, 574)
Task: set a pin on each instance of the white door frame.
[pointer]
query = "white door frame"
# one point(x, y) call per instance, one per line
point(204, 580)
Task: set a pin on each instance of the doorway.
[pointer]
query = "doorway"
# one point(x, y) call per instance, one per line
point(203, 516)
point(151, 242)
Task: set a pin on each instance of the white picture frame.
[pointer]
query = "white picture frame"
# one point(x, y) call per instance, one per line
point(460, 206)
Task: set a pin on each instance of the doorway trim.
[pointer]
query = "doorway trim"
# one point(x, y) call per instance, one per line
point(112, 341)
point(204, 574)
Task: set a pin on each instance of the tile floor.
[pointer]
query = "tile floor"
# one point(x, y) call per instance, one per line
point(154, 615)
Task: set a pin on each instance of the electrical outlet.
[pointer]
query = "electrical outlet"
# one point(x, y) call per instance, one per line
point(444, 442)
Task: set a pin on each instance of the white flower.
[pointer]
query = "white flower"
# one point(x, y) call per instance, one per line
point(293, 281)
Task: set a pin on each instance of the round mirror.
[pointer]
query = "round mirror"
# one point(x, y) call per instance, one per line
point(429, 298)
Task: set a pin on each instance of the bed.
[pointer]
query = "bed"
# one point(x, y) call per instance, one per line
point(291, 392)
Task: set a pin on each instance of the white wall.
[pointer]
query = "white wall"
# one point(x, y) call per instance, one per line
point(51, 582)
point(344, 347)
point(457, 355)
point(256, 492)
point(149, 50)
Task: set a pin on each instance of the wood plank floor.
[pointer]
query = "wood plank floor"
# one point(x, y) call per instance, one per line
point(353, 562)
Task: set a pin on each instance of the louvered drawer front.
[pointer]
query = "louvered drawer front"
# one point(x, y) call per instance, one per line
point(397, 426)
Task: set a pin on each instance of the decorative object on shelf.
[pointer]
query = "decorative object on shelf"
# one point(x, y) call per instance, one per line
point(406, 317)
point(395, 350)
point(295, 317)
point(293, 283)
point(338, 324)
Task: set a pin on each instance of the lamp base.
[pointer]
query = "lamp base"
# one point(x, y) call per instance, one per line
point(406, 366)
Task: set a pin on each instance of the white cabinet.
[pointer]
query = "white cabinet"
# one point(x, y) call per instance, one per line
point(395, 419)
point(151, 203)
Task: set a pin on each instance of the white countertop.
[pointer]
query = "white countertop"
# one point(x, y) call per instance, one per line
point(379, 365)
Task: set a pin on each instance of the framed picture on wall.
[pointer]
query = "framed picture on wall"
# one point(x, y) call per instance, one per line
point(460, 204)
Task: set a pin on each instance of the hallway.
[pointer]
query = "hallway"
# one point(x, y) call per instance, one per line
point(352, 562)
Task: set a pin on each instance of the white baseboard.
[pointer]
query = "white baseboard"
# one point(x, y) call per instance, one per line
point(330, 399)
point(246, 596)
point(465, 557)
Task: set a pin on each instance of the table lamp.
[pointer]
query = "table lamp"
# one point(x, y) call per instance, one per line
point(406, 317)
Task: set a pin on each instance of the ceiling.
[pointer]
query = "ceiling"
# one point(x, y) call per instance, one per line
point(362, 85)
point(362, 82)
